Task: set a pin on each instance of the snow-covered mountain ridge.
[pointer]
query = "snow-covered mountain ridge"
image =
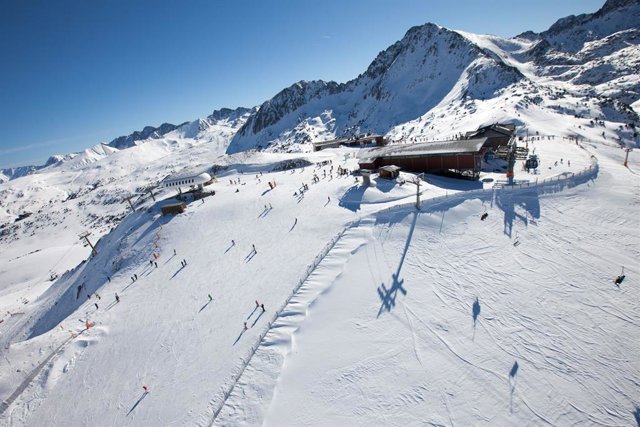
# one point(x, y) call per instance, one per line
point(592, 60)
point(406, 80)
point(199, 128)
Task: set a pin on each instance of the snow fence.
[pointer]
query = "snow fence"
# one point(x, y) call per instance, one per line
point(245, 360)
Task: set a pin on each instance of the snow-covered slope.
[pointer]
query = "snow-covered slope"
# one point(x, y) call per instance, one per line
point(375, 312)
point(350, 319)
point(43, 213)
point(438, 318)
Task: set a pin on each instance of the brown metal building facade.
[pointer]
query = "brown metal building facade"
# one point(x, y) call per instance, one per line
point(434, 157)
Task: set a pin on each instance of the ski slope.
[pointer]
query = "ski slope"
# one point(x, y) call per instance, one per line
point(381, 331)
point(435, 317)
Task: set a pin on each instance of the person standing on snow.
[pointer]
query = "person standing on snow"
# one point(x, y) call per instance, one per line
point(117, 298)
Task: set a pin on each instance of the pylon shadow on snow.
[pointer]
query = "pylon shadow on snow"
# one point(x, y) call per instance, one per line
point(388, 296)
point(507, 200)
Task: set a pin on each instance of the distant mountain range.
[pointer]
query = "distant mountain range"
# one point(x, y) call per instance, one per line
point(593, 60)
point(89, 155)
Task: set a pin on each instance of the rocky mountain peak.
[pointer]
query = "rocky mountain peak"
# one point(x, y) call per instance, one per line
point(284, 102)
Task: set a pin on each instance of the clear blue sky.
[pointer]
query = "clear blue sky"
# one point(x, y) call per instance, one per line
point(76, 73)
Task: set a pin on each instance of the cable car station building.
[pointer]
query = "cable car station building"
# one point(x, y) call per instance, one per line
point(462, 157)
